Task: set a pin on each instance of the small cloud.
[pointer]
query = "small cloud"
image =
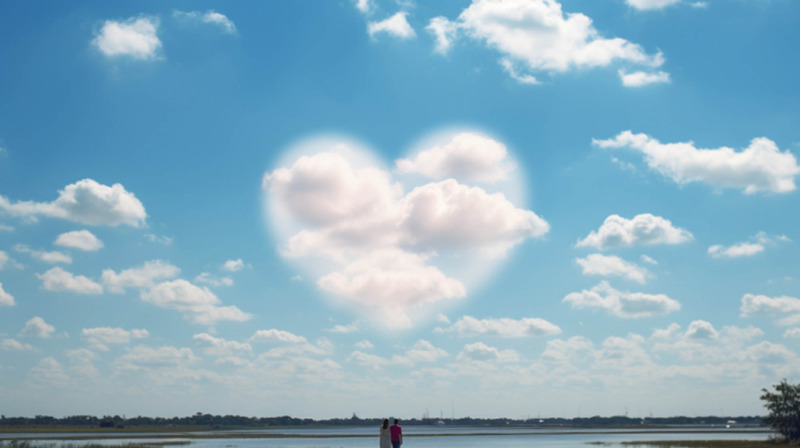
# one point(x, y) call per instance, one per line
point(208, 279)
point(210, 17)
point(233, 265)
point(641, 230)
point(165, 240)
point(37, 328)
point(57, 279)
point(343, 329)
point(364, 6)
point(6, 299)
point(6, 228)
point(522, 78)
point(648, 260)
point(396, 26)
point(136, 38)
point(48, 257)
point(505, 327)
point(442, 319)
point(641, 79)
point(15, 346)
point(79, 239)
point(603, 265)
point(277, 335)
point(622, 303)
point(297, 278)
point(366, 345)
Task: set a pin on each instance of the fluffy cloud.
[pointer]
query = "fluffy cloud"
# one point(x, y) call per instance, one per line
point(144, 276)
point(640, 78)
point(758, 168)
point(196, 303)
point(504, 327)
point(85, 202)
point(207, 278)
point(444, 31)
point(143, 357)
point(701, 329)
point(57, 279)
point(396, 26)
point(220, 347)
point(436, 213)
point(6, 299)
point(37, 328)
point(538, 36)
point(467, 157)
point(393, 281)
point(48, 372)
point(233, 265)
point(79, 239)
point(784, 307)
point(14, 345)
point(422, 351)
point(483, 353)
point(365, 6)
point(793, 333)
point(599, 264)
point(210, 17)
point(277, 335)
point(47, 257)
point(135, 37)
point(100, 337)
point(364, 345)
point(644, 229)
point(368, 242)
point(621, 303)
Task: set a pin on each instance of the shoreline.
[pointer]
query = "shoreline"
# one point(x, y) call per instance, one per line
point(198, 435)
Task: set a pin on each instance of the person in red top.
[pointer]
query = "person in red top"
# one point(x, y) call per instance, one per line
point(397, 434)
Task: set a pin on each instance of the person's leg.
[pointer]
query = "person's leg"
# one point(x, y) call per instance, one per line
point(395, 444)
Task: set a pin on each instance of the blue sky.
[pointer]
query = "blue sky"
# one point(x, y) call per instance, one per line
point(482, 208)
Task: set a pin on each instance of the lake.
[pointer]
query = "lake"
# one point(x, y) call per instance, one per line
point(416, 437)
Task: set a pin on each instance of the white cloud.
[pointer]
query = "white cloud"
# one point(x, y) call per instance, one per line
point(364, 345)
point(735, 251)
point(422, 351)
point(100, 337)
point(220, 347)
point(396, 26)
point(648, 260)
point(277, 335)
point(442, 319)
point(538, 35)
point(82, 362)
point(650, 4)
point(603, 265)
point(7, 261)
point(364, 6)
point(436, 214)
point(209, 17)
point(139, 277)
point(344, 329)
point(85, 202)
point(444, 31)
point(701, 329)
point(641, 79)
point(6, 299)
point(644, 229)
point(205, 277)
point(47, 257)
point(468, 326)
point(36, 327)
point(48, 372)
point(483, 353)
point(467, 157)
point(79, 239)
point(392, 281)
point(522, 78)
point(135, 37)
point(143, 357)
point(6, 228)
point(747, 249)
point(14, 345)
point(760, 167)
point(367, 242)
point(622, 303)
point(196, 303)
point(367, 360)
point(233, 265)
point(165, 240)
point(793, 333)
point(787, 309)
point(57, 279)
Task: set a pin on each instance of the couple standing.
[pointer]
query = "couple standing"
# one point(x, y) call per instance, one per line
point(393, 434)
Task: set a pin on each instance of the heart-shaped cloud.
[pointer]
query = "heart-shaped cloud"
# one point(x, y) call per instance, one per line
point(397, 243)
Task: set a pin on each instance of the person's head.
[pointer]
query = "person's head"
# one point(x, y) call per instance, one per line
point(396, 421)
point(385, 423)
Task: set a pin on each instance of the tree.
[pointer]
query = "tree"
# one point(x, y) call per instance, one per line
point(784, 409)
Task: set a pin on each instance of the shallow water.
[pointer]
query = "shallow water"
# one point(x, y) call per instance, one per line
point(425, 438)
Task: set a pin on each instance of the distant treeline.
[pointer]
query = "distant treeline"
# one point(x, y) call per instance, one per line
point(236, 421)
